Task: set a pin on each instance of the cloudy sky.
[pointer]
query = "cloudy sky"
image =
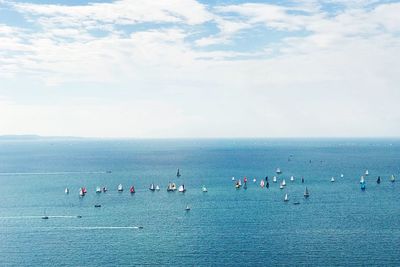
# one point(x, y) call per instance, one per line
point(206, 68)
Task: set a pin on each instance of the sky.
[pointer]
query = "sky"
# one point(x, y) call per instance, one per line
point(205, 68)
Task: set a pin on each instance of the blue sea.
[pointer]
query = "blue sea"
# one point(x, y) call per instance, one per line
point(338, 225)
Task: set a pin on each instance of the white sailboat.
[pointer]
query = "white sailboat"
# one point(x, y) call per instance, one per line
point(182, 188)
point(187, 208)
point(306, 193)
point(332, 179)
point(392, 178)
point(157, 188)
point(278, 171)
point(283, 182)
point(98, 189)
point(81, 192)
point(262, 183)
point(341, 176)
point(66, 191)
point(152, 188)
point(233, 178)
point(274, 179)
point(120, 188)
point(362, 180)
point(366, 173)
point(254, 180)
point(281, 186)
point(204, 189)
point(286, 198)
point(292, 178)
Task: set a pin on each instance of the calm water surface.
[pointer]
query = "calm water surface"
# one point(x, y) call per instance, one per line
point(338, 225)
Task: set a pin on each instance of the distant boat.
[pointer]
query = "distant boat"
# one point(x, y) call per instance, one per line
point(278, 171)
point(178, 174)
point(245, 179)
point(98, 189)
point(296, 203)
point(267, 185)
point(84, 190)
point(266, 178)
point(286, 198)
point(238, 184)
point(132, 189)
point(45, 217)
point(182, 188)
point(332, 179)
point(171, 187)
point(157, 188)
point(302, 180)
point(233, 178)
point(254, 180)
point(81, 192)
point(292, 178)
point(104, 189)
point(187, 208)
point(97, 206)
point(362, 180)
point(204, 189)
point(392, 178)
point(152, 188)
point(274, 179)
point(341, 176)
point(306, 193)
point(262, 183)
point(120, 188)
point(283, 182)
point(281, 186)
point(66, 191)
point(366, 173)
point(378, 181)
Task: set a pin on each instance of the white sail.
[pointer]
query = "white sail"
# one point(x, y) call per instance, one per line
point(66, 190)
point(240, 182)
point(278, 171)
point(392, 178)
point(120, 188)
point(204, 188)
point(366, 173)
point(284, 182)
point(274, 179)
point(157, 188)
point(332, 179)
point(81, 193)
point(306, 193)
point(281, 186)
point(254, 180)
point(286, 197)
point(182, 188)
point(98, 189)
point(262, 183)
point(292, 178)
point(233, 178)
point(342, 175)
point(362, 180)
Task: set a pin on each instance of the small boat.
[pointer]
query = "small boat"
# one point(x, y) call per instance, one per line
point(45, 217)
point(204, 189)
point(79, 216)
point(245, 179)
point(157, 188)
point(262, 183)
point(104, 189)
point(238, 185)
point(187, 208)
point(332, 179)
point(152, 188)
point(132, 189)
point(278, 171)
point(173, 187)
point(292, 178)
point(274, 179)
point(302, 180)
point(120, 188)
point(254, 180)
point(170, 187)
point(81, 193)
point(286, 198)
point(341, 176)
point(84, 190)
point(267, 185)
point(296, 203)
point(392, 178)
point(281, 186)
point(182, 188)
point(363, 186)
point(266, 178)
point(233, 178)
point(97, 206)
point(366, 173)
point(306, 193)
point(283, 182)
point(362, 180)
point(378, 181)
point(66, 191)
point(239, 182)
point(178, 174)
point(98, 189)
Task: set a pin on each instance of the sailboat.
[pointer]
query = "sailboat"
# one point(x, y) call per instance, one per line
point(283, 182)
point(363, 186)
point(254, 180)
point(45, 217)
point(157, 188)
point(262, 183)
point(152, 188)
point(98, 189)
point(237, 184)
point(104, 189)
point(292, 178)
point(169, 187)
point(173, 187)
point(366, 173)
point(392, 178)
point(178, 174)
point(332, 179)
point(286, 199)
point(281, 186)
point(341, 176)
point(187, 208)
point(267, 185)
point(132, 189)
point(204, 189)
point(278, 171)
point(233, 178)
point(274, 179)
point(378, 181)
point(66, 191)
point(182, 188)
point(120, 188)
point(245, 179)
point(306, 193)
point(81, 192)
point(362, 179)
point(302, 180)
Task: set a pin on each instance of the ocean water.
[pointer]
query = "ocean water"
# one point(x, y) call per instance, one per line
point(338, 225)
